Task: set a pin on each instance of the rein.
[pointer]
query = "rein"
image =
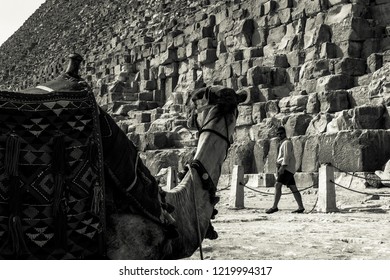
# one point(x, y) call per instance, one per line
point(205, 177)
point(203, 128)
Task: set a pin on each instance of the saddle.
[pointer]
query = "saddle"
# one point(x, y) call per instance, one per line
point(58, 149)
point(51, 176)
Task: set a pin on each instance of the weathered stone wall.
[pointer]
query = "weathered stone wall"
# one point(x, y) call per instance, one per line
point(318, 67)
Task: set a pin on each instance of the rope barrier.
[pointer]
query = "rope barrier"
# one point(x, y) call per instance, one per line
point(366, 193)
point(265, 193)
point(361, 177)
point(314, 207)
point(223, 189)
point(315, 203)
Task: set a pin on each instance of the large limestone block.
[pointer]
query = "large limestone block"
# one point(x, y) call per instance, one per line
point(260, 152)
point(258, 112)
point(164, 123)
point(277, 60)
point(317, 36)
point(169, 56)
point(281, 91)
point(242, 133)
point(156, 141)
point(381, 13)
point(293, 74)
point(243, 32)
point(244, 115)
point(265, 129)
point(279, 76)
point(328, 50)
point(339, 13)
point(297, 124)
point(325, 149)
point(259, 75)
point(272, 108)
point(351, 66)
point(374, 62)
point(295, 58)
point(379, 87)
point(313, 104)
point(359, 96)
point(341, 121)
point(372, 46)
point(156, 160)
point(362, 117)
point(283, 4)
point(252, 52)
point(207, 56)
point(299, 147)
point(241, 153)
point(319, 124)
point(334, 82)
point(267, 94)
point(259, 37)
point(270, 163)
point(352, 28)
point(315, 69)
point(361, 150)
point(369, 117)
point(310, 154)
point(309, 7)
point(276, 34)
point(252, 95)
point(349, 48)
point(333, 101)
point(206, 43)
point(285, 15)
point(293, 104)
point(269, 7)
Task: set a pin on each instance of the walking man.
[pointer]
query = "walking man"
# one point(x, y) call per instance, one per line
point(285, 172)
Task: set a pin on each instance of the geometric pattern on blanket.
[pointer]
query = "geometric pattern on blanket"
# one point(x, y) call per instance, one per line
point(51, 176)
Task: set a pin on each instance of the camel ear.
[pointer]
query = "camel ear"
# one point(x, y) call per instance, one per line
point(241, 97)
point(198, 93)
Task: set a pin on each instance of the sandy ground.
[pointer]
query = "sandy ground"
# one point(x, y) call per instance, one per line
point(360, 230)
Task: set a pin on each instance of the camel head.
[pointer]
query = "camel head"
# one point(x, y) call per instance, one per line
point(213, 112)
point(211, 104)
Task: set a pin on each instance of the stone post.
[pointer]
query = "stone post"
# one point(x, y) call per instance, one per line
point(326, 189)
point(237, 188)
point(171, 178)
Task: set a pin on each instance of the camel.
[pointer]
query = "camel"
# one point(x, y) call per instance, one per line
point(193, 204)
point(160, 232)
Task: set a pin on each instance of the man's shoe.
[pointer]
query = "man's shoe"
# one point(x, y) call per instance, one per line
point(298, 211)
point(272, 210)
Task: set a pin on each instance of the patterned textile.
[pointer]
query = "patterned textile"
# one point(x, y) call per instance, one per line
point(51, 176)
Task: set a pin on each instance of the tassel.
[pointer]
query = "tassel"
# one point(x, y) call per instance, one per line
point(11, 158)
point(11, 166)
point(58, 168)
point(15, 225)
point(58, 192)
point(95, 205)
point(18, 244)
point(59, 211)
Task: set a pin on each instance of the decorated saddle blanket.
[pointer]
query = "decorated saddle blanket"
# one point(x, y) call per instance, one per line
point(51, 176)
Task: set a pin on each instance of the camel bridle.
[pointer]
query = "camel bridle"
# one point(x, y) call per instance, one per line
point(207, 182)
